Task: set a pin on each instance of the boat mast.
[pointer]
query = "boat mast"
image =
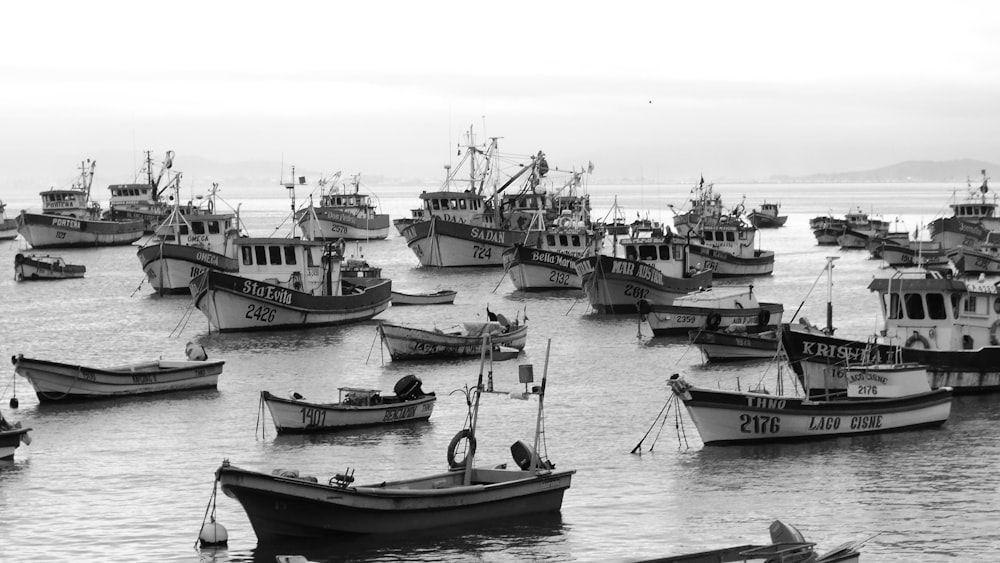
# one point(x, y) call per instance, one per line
point(290, 186)
point(486, 346)
point(829, 294)
point(536, 462)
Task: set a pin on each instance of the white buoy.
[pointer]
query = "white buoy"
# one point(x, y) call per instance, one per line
point(213, 534)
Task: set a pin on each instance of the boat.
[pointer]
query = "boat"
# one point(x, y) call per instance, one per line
point(948, 325)
point(189, 242)
point(441, 297)
point(58, 381)
point(287, 283)
point(473, 226)
point(356, 406)
point(8, 227)
point(705, 205)
point(69, 218)
point(655, 268)
point(287, 505)
point(11, 437)
point(767, 216)
point(726, 247)
point(827, 229)
point(737, 342)
point(880, 398)
point(33, 267)
point(144, 201)
point(787, 546)
point(971, 220)
point(343, 213)
point(409, 343)
point(711, 309)
point(983, 258)
point(614, 222)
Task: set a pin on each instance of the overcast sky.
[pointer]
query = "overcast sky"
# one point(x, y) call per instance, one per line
point(662, 90)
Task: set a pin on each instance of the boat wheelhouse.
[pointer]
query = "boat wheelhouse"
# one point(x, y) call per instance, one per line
point(767, 216)
point(971, 220)
point(142, 201)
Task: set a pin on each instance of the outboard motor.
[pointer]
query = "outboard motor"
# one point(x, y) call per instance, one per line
point(408, 387)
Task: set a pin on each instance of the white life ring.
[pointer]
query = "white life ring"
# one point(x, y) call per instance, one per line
point(564, 222)
point(917, 337)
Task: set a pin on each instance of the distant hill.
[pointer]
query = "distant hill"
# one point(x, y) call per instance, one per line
point(909, 171)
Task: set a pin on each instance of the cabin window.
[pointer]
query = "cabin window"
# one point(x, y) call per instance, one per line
point(730, 236)
point(247, 256)
point(970, 304)
point(198, 227)
point(274, 252)
point(461, 204)
point(914, 306)
point(454, 204)
point(935, 306)
point(290, 255)
point(182, 228)
point(895, 310)
point(310, 262)
point(550, 240)
point(647, 252)
point(576, 240)
point(563, 241)
point(444, 204)
point(630, 253)
point(956, 300)
point(664, 252)
point(261, 254)
point(213, 227)
point(436, 204)
point(743, 235)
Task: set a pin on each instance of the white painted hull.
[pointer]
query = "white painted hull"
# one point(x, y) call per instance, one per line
point(407, 343)
point(54, 381)
point(51, 231)
point(335, 230)
point(672, 319)
point(724, 417)
point(291, 416)
point(724, 264)
point(535, 269)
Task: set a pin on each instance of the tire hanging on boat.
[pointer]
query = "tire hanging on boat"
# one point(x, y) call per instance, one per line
point(917, 337)
point(713, 321)
point(463, 434)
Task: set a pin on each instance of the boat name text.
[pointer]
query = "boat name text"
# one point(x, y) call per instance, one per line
point(401, 413)
point(65, 223)
point(496, 237)
point(268, 292)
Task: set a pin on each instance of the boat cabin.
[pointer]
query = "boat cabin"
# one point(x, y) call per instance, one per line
point(459, 207)
point(308, 266)
point(731, 236)
point(973, 211)
point(132, 194)
point(65, 202)
point(927, 310)
point(210, 232)
point(769, 209)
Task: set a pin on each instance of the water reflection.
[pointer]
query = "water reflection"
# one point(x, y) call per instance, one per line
point(404, 433)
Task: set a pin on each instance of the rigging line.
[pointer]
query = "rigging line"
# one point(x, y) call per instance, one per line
point(665, 406)
point(823, 271)
point(378, 329)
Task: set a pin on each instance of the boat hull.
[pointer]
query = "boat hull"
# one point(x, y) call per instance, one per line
point(406, 343)
point(56, 231)
point(724, 264)
point(8, 229)
point(234, 303)
point(537, 269)
point(827, 236)
point(291, 416)
point(31, 268)
point(11, 439)
point(667, 320)
point(288, 508)
point(720, 346)
point(447, 244)
point(724, 418)
point(765, 221)
point(443, 297)
point(616, 285)
point(171, 267)
point(333, 224)
point(819, 361)
point(55, 381)
point(970, 261)
point(951, 232)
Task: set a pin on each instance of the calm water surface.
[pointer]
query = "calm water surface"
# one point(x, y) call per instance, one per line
point(129, 480)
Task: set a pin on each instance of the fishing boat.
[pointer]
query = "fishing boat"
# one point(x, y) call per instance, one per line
point(8, 227)
point(827, 229)
point(655, 268)
point(343, 212)
point(189, 242)
point(971, 220)
point(880, 398)
point(144, 201)
point(286, 505)
point(948, 325)
point(69, 218)
point(409, 343)
point(705, 205)
point(787, 545)
point(58, 381)
point(711, 309)
point(737, 342)
point(470, 222)
point(11, 437)
point(35, 267)
point(287, 283)
point(767, 216)
point(441, 297)
point(356, 406)
point(614, 223)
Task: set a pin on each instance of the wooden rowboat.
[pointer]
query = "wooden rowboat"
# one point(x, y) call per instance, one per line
point(57, 381)
point(407, 343)
point(356, 407)
point(443, 297)
point(31, 267)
